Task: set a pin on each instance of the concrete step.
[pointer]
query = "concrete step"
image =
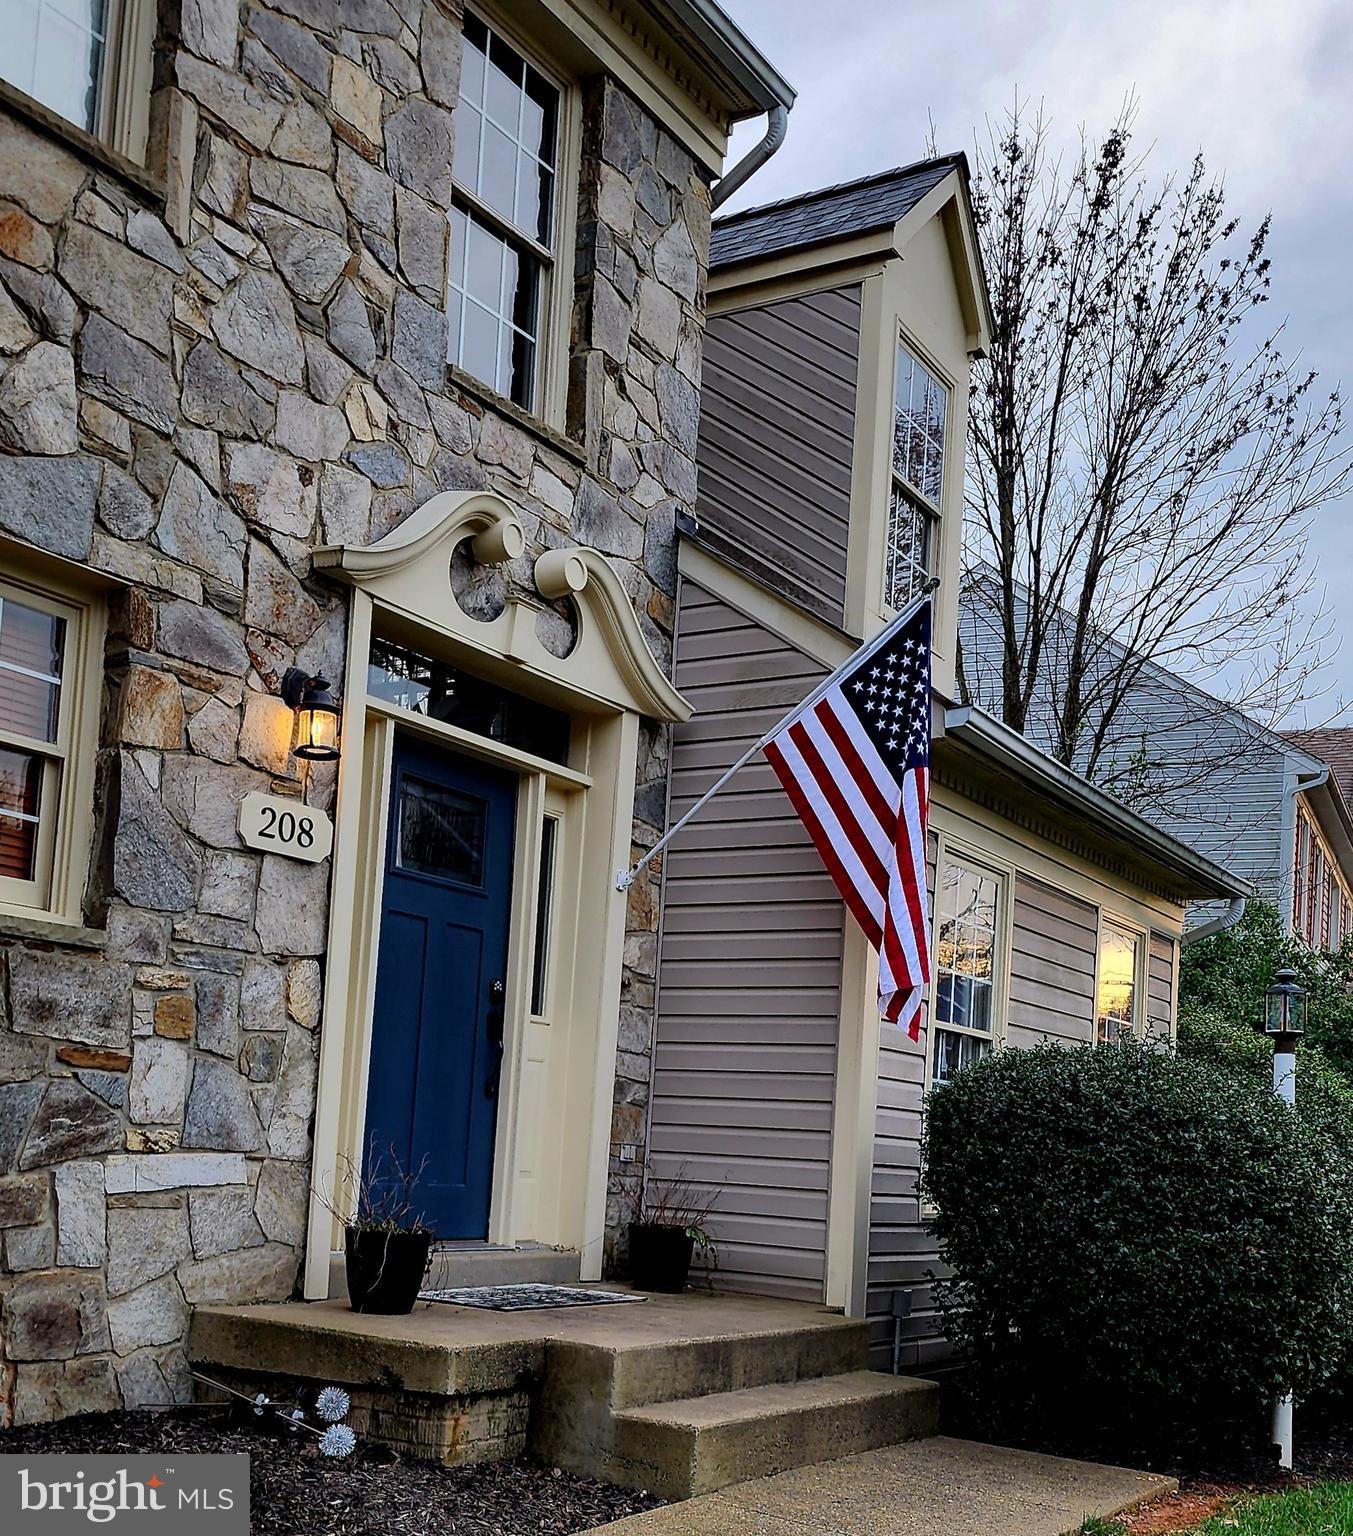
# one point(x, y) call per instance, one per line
point(695, 1445)
point(457, 1265)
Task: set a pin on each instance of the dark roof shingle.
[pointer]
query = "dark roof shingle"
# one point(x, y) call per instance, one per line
point(1332, 745)
point(811, 218)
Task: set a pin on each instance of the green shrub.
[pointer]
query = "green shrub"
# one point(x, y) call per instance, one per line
point(1140, 1241)
point(1226, 975)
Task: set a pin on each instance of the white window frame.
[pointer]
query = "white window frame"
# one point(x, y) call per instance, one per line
point(1141, 938)
point(122, 105)
point(550, 384)
point(932, 509)
point(952, 850)
point(56, 893)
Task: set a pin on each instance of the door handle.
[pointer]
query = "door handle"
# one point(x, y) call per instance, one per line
point(493, 1025)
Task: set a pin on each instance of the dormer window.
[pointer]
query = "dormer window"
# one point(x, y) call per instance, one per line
point(920, 410)
point(503, 219)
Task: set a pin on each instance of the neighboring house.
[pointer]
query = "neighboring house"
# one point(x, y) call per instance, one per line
point(841, 329)
point(258, 412)
point(1264, 805)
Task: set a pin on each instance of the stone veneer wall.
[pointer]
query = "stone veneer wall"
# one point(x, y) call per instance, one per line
point(196, 389)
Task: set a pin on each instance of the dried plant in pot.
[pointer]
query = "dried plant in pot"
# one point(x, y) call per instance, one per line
point(386, 1244)
point(668, 1223)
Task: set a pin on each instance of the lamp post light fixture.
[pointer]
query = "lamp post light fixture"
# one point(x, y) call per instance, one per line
point(317, 715)
point(1284, 1024)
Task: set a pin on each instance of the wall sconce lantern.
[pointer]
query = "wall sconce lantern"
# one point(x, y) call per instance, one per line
point(317, 715)
point(1284, 1005)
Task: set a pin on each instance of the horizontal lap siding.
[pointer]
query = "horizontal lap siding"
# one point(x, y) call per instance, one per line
point(902, 1253)
point(1052, 966)
point(1052, 975)
point(749, 975)
point(1160, 985)
point(777, 429)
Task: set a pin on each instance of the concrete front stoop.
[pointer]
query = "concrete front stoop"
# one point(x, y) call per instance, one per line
point(693, 1415)
point(680, 1395)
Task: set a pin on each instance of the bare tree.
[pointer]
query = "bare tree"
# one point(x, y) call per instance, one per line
point(1144, 461)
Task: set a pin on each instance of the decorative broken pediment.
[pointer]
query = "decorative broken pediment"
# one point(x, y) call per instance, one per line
point(408, 571)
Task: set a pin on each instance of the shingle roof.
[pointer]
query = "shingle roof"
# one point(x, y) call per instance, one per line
point(853, 208)
point(1332, 745)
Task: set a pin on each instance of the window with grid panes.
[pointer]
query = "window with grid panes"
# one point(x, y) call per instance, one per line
point(503, 216)
point(967, 914)
point(37, 641)
point(1117, 986)
point(920, 410)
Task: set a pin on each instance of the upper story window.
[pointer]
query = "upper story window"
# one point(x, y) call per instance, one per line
point(44, 772)
point(86, 60)
point(1321, 902)
point(503, 220)
point(1118, 987)
point(920, 411)
point(967, 928)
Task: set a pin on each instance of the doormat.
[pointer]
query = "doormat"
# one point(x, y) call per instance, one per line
point(526, 1298)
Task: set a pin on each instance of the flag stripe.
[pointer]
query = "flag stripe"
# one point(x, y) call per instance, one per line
point(855, 764)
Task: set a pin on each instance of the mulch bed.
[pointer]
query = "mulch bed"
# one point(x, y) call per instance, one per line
point(294, 1491)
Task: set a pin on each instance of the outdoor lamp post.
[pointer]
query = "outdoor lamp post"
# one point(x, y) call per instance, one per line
point(317, 715)
point(1284, 1024)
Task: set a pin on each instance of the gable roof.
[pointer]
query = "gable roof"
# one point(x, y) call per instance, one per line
point(1332, 745)
point(832, 213)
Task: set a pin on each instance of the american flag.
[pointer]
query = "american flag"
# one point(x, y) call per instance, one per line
point(855, 762)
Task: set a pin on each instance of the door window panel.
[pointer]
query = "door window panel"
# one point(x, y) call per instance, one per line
point(441, 832)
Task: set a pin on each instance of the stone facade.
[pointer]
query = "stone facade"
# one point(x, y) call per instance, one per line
point(202, 380)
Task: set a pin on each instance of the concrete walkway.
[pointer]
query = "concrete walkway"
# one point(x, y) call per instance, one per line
point(936, 1487)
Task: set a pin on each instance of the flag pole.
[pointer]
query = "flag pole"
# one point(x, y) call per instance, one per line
point(626, 878)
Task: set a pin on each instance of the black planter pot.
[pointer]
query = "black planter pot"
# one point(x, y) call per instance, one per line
point(660, 1257)
point(385, 1269)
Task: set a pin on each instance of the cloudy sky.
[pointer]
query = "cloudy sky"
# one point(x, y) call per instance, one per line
point(1260, 86)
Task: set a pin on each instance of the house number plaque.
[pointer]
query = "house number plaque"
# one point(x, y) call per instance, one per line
point(275, 824)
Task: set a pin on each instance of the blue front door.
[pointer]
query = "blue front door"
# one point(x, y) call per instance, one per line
point(437, 1033)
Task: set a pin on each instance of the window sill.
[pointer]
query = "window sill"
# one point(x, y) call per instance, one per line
point(467, 384)
point(85, 145)
point(17, 925)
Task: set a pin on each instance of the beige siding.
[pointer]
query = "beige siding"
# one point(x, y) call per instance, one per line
point(777, 425)
point(1160, 985)
point(902, 1254)
point(749, 977)
point(1052, 966)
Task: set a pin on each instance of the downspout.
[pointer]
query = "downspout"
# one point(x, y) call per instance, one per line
point(1232, 915)
point(1295, 786)
point(777, 125)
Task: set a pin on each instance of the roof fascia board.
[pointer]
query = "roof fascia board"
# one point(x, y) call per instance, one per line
point(1016, 756)
point(949, 202)
point(724, 44)
point(664, 78)
point(867, 252)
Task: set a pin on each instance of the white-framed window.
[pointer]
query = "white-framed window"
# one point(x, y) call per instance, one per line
point(545, 902)
point(505, 216)
point(920, 418)
point(88, 61)
point(969, 929)
point(45, 758)
point(1118, 981)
